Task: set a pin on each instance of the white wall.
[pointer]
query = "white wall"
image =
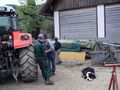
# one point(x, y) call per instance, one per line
point(56, 24)
point(101, 21)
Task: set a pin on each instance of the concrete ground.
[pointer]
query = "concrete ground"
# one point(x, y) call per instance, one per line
point(68, 77)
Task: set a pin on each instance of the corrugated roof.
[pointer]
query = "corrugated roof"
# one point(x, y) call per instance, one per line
point(49, 7)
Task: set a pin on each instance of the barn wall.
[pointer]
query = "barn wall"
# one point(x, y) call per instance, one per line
point(71, 20)
point(112, 14)
point(101, 21)
point(56, 24)
point(78, 24)
point(71, 4)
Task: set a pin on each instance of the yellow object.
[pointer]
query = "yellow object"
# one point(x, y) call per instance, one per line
point(72, 55)
point(4, 42)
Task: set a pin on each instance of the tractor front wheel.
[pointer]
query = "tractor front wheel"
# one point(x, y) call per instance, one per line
point(28, 65)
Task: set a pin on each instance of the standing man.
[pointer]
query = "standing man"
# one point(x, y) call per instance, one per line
point(42, 60)
point(50, 51)
point(57, 46)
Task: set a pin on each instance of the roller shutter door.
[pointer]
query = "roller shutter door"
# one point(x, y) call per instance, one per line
point(112, 13)
point(78, 24)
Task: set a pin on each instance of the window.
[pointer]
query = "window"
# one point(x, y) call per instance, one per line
point(4, 23)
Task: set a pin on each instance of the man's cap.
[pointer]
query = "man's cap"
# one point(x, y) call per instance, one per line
point(41, 36)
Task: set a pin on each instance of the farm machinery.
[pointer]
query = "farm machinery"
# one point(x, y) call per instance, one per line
point(16, 48)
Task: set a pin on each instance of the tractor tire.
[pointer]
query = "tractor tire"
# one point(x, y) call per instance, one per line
point(28, 64)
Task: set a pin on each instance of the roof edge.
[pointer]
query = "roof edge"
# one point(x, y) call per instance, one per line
point(45, 8)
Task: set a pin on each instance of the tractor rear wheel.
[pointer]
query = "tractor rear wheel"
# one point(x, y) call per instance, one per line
point(28, 65)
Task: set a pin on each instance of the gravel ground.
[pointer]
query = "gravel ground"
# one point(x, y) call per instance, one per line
point(68, 77)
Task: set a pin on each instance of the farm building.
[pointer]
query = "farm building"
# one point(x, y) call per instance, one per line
point(85, 19)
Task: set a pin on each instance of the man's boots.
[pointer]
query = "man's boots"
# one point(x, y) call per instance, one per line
point(49, 82)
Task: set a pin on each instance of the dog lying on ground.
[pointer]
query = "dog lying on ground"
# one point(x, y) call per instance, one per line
point(88, 73)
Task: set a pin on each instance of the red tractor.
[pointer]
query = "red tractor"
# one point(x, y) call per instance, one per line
point(16, 48)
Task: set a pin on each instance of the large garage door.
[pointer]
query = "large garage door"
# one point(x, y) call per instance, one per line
point(113, 23)
point(78, 24)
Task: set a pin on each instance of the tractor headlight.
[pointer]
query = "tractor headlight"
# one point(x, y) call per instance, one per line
point(25, 37)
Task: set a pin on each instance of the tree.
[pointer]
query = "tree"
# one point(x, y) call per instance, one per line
point(31, 20)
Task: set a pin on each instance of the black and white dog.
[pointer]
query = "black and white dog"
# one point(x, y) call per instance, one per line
point(88, 73)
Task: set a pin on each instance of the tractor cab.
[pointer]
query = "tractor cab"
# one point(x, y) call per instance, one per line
point(8, 23)
point(8, 19)
point(10, 31)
